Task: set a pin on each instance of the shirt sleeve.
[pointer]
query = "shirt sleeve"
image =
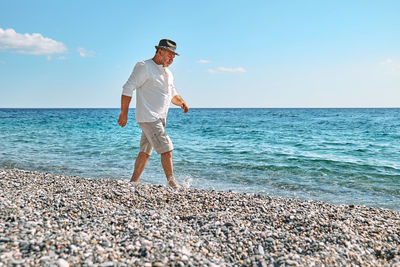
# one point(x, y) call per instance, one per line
point(137, 79)
point(173, 91)
point(172, 85)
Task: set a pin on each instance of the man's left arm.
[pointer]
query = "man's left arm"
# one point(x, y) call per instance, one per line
point(177, 100)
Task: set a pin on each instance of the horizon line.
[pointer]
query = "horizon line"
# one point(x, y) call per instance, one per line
point(207, 107)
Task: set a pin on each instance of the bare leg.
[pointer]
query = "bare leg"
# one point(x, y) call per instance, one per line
point(168, 166)
point(140, 163)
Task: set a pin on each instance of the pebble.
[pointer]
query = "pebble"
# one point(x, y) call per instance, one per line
point(260, 250)
point(62, 263)
point(108, 264)
point(58, 220)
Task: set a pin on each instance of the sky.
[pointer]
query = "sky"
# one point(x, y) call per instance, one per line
point(261, 54)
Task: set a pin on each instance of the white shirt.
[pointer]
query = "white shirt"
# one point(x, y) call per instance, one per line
point(154, 85)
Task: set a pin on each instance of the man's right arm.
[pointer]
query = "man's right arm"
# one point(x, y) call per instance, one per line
point(123, 116)
point(136, 79)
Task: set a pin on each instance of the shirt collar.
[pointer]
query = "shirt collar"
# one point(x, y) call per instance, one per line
point(161, 67)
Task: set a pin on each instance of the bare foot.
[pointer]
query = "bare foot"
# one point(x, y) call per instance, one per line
point(133, 182)
point(172, 182)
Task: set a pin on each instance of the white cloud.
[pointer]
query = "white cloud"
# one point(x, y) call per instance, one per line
point(61, 58)
point(240, 69)
point(33, 44)
point(204, 61)
point(388, 61)
point(225, 69)
point(2, 62)
point(83, 53)
point(391, 66)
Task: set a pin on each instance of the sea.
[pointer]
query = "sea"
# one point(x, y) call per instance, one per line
point(340, 156)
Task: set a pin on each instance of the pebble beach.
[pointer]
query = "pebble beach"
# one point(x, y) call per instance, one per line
point(58, 220)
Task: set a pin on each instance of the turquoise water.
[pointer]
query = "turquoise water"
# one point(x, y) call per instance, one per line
point(343, 156)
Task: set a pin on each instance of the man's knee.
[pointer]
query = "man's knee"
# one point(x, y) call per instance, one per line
point(167, 154)
point(144, 154)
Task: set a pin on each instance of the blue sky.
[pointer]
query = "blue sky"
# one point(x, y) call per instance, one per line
point(233, 53)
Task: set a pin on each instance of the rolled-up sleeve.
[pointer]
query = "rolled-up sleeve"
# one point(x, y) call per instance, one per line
point(171, 84)
point(136, 79)
point(173, 91)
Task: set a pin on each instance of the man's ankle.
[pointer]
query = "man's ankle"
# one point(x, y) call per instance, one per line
point(172, 182)
point(134, 180)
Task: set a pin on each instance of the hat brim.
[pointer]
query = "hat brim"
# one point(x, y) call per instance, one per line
point(165, 48)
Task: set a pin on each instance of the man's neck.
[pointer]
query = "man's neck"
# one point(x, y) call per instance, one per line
point(157, 61)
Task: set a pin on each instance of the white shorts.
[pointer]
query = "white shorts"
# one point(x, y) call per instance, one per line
point(155, 136)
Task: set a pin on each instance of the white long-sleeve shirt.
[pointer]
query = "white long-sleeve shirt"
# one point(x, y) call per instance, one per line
point(154, 85)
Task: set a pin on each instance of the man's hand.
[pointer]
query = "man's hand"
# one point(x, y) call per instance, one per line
point(123, 118)
point(185, 107)
point(177, 100)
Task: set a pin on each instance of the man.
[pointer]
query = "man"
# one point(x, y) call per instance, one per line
point(155, 90)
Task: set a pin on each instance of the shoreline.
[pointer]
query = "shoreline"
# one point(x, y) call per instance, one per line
point(56, 219)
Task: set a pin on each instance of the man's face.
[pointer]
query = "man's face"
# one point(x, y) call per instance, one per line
point(167, 57)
